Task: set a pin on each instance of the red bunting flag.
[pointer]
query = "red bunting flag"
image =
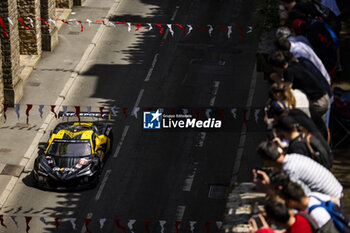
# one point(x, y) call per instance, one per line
point(5, 109)
point(161, 28)
point(207, 226)
point(138, 26)
point(28, 219)
point(53, 110)
point(197, 112)
point(223, 29)
point(182, 28)
point(29, 107)
point(86, 222)
point(117, 223)
point(242, 32)
point(22, 21)
point(4, 27)
point(100, 21)
point(124, 112)
point(203, 29)
point(245, 111)
point(2, 221)
point(63, 21)
point(172, 111)
point(147, 222)
point(81, 26)
point(77, 112)
point(101, 111)
point(123, 22)
point(177, 226)
point(221, 114)
point(57, 222)
point(48, 25)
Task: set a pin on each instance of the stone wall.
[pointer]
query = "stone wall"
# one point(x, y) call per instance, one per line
point(64, 4)
point(30, 39)
point(1, 83)
point(49, 34)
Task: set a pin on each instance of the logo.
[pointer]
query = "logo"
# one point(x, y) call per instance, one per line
point(152, 120)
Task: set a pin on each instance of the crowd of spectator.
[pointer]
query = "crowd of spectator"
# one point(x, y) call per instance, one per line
point(303, 196)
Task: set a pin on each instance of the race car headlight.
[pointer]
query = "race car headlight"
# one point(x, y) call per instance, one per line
point(86, 171)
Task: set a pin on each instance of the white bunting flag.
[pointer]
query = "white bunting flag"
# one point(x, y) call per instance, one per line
point(149, 26)
point(41, 106)
point(73, 223)
point(111, 24)
point(219, 224)
point(43, 220)
point(190, 28)
point(102, 222)
point(88, 109)
point(89, 21)
point(10, 20)
point(250, 29)
point(233, 111)
point(161, 110)
point(210, 29)
point(30, 21)
point(229, 31)
point(170, 29)
point(134, 113)
point(256, 115)
point(185, 111)
point(129, 27)
point(52, 21)
point(162, 223)
point(192, 223)
point(14, 220)
point(64, 109)
point(17, 106)
point(73, 20)
point(207, 112)
point(114, 110)
point(130, 223)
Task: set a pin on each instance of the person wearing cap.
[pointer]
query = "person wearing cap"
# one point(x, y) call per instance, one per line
point(301, 169)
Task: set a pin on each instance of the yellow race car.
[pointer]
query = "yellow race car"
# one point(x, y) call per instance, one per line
point(74, 155)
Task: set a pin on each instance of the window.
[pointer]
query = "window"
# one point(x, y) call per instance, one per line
point(70, 149)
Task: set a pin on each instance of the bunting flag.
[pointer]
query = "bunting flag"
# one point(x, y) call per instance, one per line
point(190, 28)
point(81, 26)
point(48, 25)
point(130, 224)
point(102, 223)
point(88, 109)
point(197, 112)
point(17, 107)
point(5, 109)
point(182, 28)
point(203, 29)
point(177, 226)
point(250, 29)
point(161, 28)
point(42, 219)
point(233, 111)
point(162, 223)
point(41, 110)
point(124, 112)
point(147, 222)
point(134, 113)
point(63, 21)
point(101, 110)
point(117, 223)
point(223, 29)
point(192, 223)
point(52, 21)
point(111, 24)
point(73, 222)
point(65, 109)
point(86, 223)
point(170, 29)
point(138, 26)
point(53, 110)
point(219, 224)
point(114, 110)
point(229, 31)
point(28, 219)
point(207, 112)
point(14, 220)
point(221, 115)
point(77, 112)
point(57, 222)
point(172, 111)
point(23, 24)
point(242, 32)
point(149, 26)
point(89, 22)
point(245, 120)
point(10, 21)
point(185, 111)
point(2, 221)
point(207, 226)
point(31, 22)
point(100, 21)
point(211, 29)
point(29, 107)
point(4, 27)
point(256, 115)
point(129, 27)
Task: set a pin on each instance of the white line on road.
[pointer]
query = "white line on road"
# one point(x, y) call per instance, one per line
point(83, 229)
point(154, 62)
point(138, 99)
point(202, 136)
point(189, 181)
point(175, 12)
point(243, 136)
point(167, 31)
point(103, 183)
point(180, 211)
point(125, 131)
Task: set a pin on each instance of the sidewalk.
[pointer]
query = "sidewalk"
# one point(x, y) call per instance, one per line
point(49, 82)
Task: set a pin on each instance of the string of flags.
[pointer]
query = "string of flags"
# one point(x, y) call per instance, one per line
point(186, 29)
point(126, 112)
point(208, 225)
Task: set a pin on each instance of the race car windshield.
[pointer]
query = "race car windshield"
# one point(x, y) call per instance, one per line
point(70, 149)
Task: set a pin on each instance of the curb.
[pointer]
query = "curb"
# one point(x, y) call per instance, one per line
point(31, 151)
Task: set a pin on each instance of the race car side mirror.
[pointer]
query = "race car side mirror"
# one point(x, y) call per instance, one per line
point(42, 145)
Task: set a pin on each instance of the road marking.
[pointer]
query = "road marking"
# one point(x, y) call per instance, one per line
point(180, 211)
point(243, 136)
point(175, 12)
point(155, 59)
point(167, 30)
point(103, 183)
point(83, 229)
point(125, 131)
point(215, 91)
point(202, 136)
point(189, 181)
point(138, 99)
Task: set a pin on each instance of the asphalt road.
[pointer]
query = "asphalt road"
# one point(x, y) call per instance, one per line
point(171, 176)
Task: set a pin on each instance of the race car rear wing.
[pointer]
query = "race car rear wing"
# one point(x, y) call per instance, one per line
point(105, 115)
